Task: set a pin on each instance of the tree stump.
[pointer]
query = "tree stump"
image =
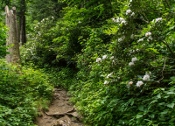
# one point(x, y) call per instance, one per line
point(12, 42)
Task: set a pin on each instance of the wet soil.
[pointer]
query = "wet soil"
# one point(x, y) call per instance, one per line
point(60, 113)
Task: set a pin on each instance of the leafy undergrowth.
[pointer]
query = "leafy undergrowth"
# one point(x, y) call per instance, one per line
point(22, 92)
point(61, 77)
point(110, 106)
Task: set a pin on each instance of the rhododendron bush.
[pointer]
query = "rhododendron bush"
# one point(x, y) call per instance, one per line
point(128, 79)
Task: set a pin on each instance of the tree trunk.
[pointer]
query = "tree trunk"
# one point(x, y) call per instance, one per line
point(12, 42)
point(22, 21)
point(22, 30)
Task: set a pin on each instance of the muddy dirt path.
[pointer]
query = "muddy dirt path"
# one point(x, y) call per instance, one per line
point(61, 112)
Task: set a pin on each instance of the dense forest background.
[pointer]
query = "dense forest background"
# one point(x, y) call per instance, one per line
point(115, 57)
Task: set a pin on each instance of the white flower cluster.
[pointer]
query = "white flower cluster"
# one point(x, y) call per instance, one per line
point(139, 83)
point(44, 19)
point(133, 60)
point(104, 57)
point(140, 40)
point(110, 75)
point(146, 77)
point(129, 12)
point(131, 64)
point(121, 39)
point(130, 82)
point(119, 20)
point(106, 82)
point(98, 60)
point(112, 57)
point(133, 50)
point(157, 19)
point(148, 35)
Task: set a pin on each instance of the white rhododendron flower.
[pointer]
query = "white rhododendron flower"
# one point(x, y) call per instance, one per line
point(140, 40)
point(128, 12)
point(112, 57)
point(104, 57)
point(130, 82)
point(132, 14)
point(118, 20)
point(121, 39)
point(139, 83)
point(106, 82)
point(114, 20)
point(123, 22)
point(98, 60)
point(157, 19)
point(134, 59)
point(109, 75)
point(131, 63)
point(148, 34)
point(146, 77)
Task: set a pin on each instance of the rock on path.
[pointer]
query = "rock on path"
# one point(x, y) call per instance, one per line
point(60, 113)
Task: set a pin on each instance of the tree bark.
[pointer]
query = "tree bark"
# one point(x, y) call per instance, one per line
point(22, 21)
point(12, 42)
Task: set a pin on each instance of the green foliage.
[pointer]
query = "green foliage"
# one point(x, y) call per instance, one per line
point(59, 43)
point(20, 91)
point(123, 53)
point(118, 82)
point(39, 10)
point(61, 77)
point(38, 49)
point(2, 39)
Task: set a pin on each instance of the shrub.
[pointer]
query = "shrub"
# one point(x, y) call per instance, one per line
point(2, 40)
point(127, 81)
point(20, 90)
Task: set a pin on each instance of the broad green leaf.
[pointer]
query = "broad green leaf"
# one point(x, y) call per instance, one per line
point(139, 116)
point(153, 50)
point(171, 105)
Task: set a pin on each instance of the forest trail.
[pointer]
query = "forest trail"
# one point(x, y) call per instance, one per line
point(60, 113)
